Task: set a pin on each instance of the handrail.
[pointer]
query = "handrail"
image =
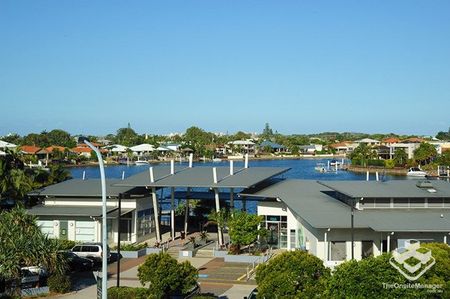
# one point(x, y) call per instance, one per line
point(255, 263)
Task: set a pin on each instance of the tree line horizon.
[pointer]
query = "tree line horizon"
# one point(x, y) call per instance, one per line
point(128, 136)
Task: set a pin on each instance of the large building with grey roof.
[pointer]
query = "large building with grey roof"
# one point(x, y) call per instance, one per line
point(317, 215)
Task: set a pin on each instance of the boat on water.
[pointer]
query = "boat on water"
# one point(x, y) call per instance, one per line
point(416, 172)
point(141, 162)
point(320, 167)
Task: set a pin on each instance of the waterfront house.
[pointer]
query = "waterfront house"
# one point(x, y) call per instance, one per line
point(142, 149)
point(310, 149)
point(72, 210)
point(6, 145)
point(368, 142)
point(344, 148)
point(317, 215)
point(273, 147)
point(242, 147)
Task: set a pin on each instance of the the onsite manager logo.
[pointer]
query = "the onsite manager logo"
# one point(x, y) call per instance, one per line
point(412, 261)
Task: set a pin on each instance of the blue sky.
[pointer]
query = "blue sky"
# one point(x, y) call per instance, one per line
point(91, 67)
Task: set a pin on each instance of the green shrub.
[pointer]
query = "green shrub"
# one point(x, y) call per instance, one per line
point(128, 293)
point(366, 278)
point(389, 163)
point(293, 274)
point(66, 244)
point(166, 276)
point(59, 283)
point(132, 247)
point(376, 163)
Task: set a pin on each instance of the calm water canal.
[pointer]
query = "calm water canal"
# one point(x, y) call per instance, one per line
point(300, 169)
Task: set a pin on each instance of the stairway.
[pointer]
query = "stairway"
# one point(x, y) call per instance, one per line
point(204, 253)
point(174, 251)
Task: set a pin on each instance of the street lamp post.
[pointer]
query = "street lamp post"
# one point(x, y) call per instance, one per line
point(104, 227)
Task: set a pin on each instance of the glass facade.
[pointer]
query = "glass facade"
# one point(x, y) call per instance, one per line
point(145, 222)
point(277, 230)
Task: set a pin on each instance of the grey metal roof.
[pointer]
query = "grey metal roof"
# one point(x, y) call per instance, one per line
point(81, 188)
point(388, 189)
point(308, 199)
point(80, 211)
point(202, 177)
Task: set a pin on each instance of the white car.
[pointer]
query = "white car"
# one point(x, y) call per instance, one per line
point(92, 251)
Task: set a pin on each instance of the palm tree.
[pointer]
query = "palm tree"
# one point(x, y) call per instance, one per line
point(23, 244)
point(220, 218)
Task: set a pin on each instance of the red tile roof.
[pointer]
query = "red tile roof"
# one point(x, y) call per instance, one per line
point(414, 140)
point(80, 150)
point(391, 140)
point(55, 147)
point(29, 149)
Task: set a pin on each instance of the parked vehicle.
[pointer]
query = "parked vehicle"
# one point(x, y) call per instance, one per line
point(92, 251)
point(76, 263)
point(252, 294)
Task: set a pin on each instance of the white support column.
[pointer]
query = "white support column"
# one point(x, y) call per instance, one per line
point(388, 243)
point(191, 157)
point(325, 246)
point(232, 199)
point(156, 212)
point(445, 239)
point(219, 230)
point(172, 213)
point(367, 175)
point(186, 211)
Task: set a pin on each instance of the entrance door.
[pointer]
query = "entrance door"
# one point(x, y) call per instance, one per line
point(274, 233)
point(63, 227)
point(366, 249)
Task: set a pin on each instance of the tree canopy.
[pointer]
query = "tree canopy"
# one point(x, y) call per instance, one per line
point(292, 274)
point(166, 276)
point(425, 153)
point(243, 228)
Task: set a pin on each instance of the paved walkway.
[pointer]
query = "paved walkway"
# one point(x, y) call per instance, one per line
point(216, 277)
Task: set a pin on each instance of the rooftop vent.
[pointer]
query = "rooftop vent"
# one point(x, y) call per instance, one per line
point(425, 184)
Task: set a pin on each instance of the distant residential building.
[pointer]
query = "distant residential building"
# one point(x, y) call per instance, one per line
point(142, 149)
point(368, 141)
point(242, 147)
point(6, 145)
point(117, 149)
point(29, 149)
point(344, 148)
point(273, 146)
point(390, 140)
point(310, 149)
point(172, 146)
point(441, 146)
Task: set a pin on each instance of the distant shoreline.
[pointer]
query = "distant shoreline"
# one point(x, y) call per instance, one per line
point(260, 158)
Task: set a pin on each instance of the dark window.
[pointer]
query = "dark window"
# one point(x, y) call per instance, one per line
point(77, 248)
point(367, 249)
point(273, 218)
